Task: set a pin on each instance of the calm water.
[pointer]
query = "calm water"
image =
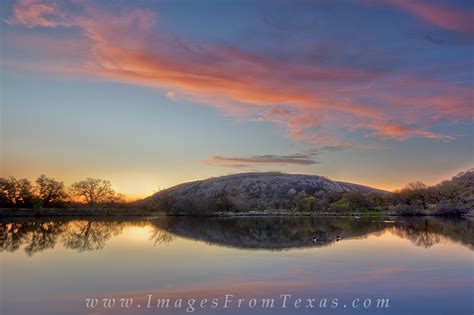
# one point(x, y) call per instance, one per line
point(423, 265)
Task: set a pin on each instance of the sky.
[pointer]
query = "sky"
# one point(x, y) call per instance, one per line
point(149, 94)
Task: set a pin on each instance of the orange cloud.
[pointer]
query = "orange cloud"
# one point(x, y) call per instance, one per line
point(126, 46)
point(402, 132)
point(268, 159)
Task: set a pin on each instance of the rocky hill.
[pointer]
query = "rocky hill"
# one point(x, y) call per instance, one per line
point(246, 192)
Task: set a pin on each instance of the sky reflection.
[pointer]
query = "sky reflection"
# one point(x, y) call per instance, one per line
point(126, 260)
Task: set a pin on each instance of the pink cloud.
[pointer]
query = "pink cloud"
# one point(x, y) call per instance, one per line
point(441, 16)
point(31, 13)
point(279, 111)
point(306, 99)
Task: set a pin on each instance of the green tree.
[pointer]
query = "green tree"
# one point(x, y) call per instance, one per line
point(356, 200)
point(300, 200)
point(376, 199)
point(310, 202)
point(326, 200)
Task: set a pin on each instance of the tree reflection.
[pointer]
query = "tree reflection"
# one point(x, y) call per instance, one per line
point(160, 232)
point(274, 233)
point(90, 235)
point(161, 237)
point(36, 236)
point(13, 235)
point(44, 236)
point(428, 231)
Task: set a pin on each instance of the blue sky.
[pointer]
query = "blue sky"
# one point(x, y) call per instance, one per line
point(149, 94)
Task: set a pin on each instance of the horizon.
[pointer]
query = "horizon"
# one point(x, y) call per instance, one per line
point(146, 95)
point(128, 198)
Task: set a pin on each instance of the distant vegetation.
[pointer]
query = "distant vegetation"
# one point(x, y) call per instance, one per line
point(252, 192)
point(47, 192)
point(450, 197)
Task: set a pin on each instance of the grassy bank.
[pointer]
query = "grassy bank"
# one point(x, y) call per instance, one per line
point(139, 212)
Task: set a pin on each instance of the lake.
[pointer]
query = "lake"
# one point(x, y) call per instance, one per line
point(258, 265)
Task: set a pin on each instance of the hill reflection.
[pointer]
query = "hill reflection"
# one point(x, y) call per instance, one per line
point(271, 233)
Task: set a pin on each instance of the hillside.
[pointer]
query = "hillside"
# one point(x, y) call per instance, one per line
point(246, 192)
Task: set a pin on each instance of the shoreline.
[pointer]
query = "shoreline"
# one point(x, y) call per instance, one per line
point(121, 213)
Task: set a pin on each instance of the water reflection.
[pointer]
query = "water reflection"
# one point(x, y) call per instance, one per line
point(275, 233)
point(40, 235)
point(90, 235)
point(426, 232)
point(36, 235)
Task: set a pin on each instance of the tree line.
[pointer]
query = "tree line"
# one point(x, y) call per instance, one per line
point(451, 197)
point(47, 192)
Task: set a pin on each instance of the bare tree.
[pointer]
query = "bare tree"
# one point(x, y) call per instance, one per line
point(6, 192)
point(18, 192)
point(94, 191)
point(50, 191)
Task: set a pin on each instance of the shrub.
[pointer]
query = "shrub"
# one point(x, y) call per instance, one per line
point(450, 210)
point(340, 206)
point(309, 203)
point(408, 210)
